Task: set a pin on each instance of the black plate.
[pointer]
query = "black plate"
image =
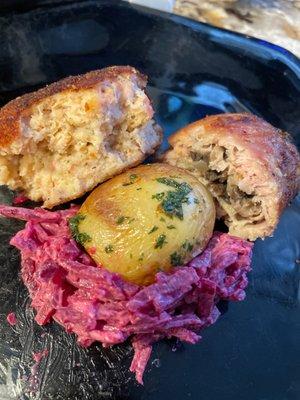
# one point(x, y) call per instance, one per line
point(252, 352)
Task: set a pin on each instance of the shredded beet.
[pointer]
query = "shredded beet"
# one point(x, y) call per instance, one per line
point(40, 355)
point(20, 199)
point(11, 318)
point(35, 376)
point(66, 285)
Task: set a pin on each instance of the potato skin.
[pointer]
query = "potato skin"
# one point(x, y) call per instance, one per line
point(130, 231)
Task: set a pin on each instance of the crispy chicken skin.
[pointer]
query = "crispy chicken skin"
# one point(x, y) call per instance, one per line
point(251, 168)
point(61, 141)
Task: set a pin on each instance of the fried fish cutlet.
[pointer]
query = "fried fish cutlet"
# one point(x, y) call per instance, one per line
point(61, 141)
point(251, 168)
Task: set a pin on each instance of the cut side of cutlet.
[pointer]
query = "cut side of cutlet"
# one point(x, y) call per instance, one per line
point(251, 168)
point(61, 141)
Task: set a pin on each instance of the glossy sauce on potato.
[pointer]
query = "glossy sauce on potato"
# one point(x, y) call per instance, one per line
point(147, 219)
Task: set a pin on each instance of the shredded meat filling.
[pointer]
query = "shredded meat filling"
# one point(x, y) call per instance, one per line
point(216, 173)
point(218, 181)
point(244, 204)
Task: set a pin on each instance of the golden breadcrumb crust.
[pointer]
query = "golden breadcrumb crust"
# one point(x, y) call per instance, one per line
point(11, 113)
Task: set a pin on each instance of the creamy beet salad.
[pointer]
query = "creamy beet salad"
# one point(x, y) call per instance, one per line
point(69, 285)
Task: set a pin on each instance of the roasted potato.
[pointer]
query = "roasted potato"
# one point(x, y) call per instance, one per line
point(147, 219)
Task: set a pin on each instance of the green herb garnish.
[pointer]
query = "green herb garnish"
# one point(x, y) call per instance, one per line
point(153, 229)
point(169, 182)
point(190, 247)
point(173, 200)
point(120, 220)
point(132, 179)
point(187, 246)
point(80, 237)
point(139, 188)
point(172, 204)
point(162, 219)
point(171, 226)
point(196, 201)
point(109, 248)
point(160, 241)
point(141, 257)
point(176, 259)
point(158, 196)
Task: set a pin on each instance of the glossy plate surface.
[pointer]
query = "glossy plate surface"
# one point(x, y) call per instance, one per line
point(252, 352)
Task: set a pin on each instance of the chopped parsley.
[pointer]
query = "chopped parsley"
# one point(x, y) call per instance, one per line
point(190, 247)
point(171, 226)
point(169, 182)
point(141, 257)
point(158, 196)
point(109, 248)
point(80, 237)
point(187, 246)
point(132, 179)
point(130, 255)
point(162, 219)
point(153, 229)
point(139, 188)
point(120, 220)
point(196, 201)
point(176, 259)
point(160, 241)
point(173, 200)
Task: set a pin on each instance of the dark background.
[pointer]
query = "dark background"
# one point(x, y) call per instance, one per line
point(252, 352)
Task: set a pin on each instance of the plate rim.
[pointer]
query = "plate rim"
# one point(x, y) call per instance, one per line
point(16, 7)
